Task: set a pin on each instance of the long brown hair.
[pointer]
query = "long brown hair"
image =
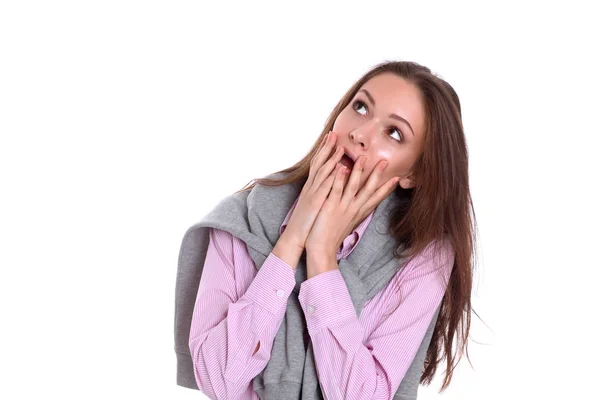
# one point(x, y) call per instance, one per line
point(438, 208)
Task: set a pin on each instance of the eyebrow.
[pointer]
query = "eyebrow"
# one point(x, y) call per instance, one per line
point(394, 116)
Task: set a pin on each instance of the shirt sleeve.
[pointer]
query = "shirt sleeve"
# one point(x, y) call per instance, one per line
point(349, 367)
point(225, 328)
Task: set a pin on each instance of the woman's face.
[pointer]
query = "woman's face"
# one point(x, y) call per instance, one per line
point(371, 125)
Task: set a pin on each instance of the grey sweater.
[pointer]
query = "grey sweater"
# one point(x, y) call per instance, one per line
point(255, 217)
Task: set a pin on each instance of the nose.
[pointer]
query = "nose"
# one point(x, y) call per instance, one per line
point(366, 132)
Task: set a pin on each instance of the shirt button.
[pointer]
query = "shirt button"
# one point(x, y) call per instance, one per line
point(280, 293)
point(311, 309)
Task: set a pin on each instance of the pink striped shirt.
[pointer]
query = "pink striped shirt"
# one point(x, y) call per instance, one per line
point(238, 306)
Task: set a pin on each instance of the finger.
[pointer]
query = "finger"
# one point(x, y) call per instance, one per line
point(383, 192)
point(338, 184)
point(323, 142)
point(330, 165)
point(314, 177)
point(324, 151)
point(372, 183)
point(325, 188)
point(354, 180)
point(312, 172)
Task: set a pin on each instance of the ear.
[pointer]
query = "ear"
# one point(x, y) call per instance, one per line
point(407, 182)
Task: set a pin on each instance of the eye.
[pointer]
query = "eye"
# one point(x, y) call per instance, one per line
point(399, 133)
point(359, 104)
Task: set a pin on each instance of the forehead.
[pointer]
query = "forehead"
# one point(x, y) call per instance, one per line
point(393, 94)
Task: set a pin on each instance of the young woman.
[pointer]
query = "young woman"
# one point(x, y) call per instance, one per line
point(395, 138)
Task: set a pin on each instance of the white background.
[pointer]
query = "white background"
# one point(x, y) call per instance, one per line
point(124, 122)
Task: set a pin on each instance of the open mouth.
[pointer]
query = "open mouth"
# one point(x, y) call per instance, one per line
point(347, 162)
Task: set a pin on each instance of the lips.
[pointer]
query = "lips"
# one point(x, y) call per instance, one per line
point(350, 155)
point(347, 161)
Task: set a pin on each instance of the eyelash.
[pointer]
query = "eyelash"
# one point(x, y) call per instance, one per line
point(365, 106)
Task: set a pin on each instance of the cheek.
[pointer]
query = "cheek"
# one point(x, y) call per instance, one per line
point(398, 169)
point(343, 122)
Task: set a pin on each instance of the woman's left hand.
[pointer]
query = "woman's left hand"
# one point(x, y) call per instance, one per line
point(344, 208)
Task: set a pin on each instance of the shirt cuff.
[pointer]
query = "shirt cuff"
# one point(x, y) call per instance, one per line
point(325, 300)
point(272, 285)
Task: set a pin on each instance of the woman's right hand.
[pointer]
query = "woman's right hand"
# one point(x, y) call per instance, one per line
point(323, 169)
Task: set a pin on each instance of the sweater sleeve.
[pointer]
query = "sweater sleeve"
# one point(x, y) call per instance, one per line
point(226, 328)
point(350, 367)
